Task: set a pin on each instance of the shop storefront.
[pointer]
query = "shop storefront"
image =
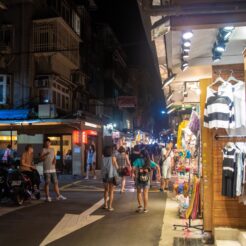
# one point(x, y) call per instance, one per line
point(69, 138)
point(202, 63)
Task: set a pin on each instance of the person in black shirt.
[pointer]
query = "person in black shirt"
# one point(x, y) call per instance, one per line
point(135, 154)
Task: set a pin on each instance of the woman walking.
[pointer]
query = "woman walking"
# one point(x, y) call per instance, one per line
point(141, 173)
point(109, 175)
point(91, 162)
point(124, 164)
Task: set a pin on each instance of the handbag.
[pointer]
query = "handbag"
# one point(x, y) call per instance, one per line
point(126, 171)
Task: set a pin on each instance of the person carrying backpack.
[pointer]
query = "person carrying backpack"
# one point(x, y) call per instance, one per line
point(141, 174)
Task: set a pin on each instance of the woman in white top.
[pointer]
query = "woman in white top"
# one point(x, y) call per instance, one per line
point(167, 163)
point(109, 174)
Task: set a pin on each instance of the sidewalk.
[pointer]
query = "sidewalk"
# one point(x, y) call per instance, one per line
point(170, 218)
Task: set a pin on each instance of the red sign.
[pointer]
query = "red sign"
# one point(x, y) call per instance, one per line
point(127, 102)
point(91, 132)
point(84, 137)
point(87, 133)
point(76, 137)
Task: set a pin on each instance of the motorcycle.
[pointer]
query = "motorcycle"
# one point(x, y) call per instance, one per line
point(16, 185)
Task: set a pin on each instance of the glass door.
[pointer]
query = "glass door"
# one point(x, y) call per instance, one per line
point(67, 154)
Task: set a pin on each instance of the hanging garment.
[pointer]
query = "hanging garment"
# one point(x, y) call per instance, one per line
point(229, 171)
point(240, 109)
point(219, 109)
point(182, 126)
point(194, 124)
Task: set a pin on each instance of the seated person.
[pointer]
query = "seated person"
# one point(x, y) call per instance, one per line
point(27, 167)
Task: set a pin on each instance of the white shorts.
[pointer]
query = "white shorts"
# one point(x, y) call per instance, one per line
point(166, 171)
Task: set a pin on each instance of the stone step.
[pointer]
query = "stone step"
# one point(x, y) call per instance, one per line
point(227, 243)
point(242, 238)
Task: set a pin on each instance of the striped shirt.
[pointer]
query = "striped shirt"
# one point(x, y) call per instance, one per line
point(229, 160)
point(219, 109)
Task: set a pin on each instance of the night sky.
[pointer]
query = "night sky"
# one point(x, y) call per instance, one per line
point(124, 18)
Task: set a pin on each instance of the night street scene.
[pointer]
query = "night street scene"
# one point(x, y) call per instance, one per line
point(122, 122)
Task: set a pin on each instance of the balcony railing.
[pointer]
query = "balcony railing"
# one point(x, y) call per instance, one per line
point(54, 35)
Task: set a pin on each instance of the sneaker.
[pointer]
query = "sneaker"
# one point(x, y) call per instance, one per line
point(110, 209)
point(146, 211)
point(48, 199)
point(140, 209)
point(86, 177)
point(61, 197)
point(95, 177)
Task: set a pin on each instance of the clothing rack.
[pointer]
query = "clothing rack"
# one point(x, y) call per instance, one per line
point(188, 225)
point(221, 137)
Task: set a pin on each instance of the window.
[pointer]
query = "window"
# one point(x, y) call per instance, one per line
point(6, 36)
point(44, 96)
point(63, 102)
point(54, 97)
point(3, 89)
point(76, 22)
point(61, 96)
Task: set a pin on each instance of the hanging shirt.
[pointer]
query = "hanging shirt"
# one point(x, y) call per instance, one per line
point(219, 109)
point(229, 158)
point(229, 171)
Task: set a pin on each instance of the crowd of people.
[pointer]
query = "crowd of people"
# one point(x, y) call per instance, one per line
point(144, 164)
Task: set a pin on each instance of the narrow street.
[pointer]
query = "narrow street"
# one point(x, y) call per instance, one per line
point(32, 224)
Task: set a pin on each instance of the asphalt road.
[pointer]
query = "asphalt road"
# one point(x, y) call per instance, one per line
point(32, 224)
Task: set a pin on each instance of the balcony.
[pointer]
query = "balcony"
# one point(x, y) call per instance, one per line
point(6, 39)
point(53, 37)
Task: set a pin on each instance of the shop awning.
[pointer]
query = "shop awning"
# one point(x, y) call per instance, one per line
point(14, 114)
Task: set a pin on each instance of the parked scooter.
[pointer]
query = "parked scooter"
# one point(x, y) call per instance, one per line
point(16, 186)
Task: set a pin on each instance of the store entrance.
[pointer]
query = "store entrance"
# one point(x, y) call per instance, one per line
point(62, 144)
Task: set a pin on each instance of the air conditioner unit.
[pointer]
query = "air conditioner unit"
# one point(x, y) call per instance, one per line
point(42, 83)
point(46, 111)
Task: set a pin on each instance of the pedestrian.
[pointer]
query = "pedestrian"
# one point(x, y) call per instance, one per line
point(8, 155)
point(141, 174)
point(115, 150)
point(135, 154)
point(91, 162)
point(124, 166)
point(49, 166)
point(27, 167)
point(167, 163)
point(109, 175)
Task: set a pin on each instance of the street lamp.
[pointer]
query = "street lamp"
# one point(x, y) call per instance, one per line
point(163, 112)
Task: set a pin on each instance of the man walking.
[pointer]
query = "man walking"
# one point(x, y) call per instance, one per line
point(49, 164)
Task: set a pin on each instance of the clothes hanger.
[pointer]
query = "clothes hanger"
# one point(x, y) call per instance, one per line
point(232, 78)
point(219, 79)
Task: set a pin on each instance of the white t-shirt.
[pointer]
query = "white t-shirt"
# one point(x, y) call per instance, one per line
point(168, 160)
point(49, 166)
